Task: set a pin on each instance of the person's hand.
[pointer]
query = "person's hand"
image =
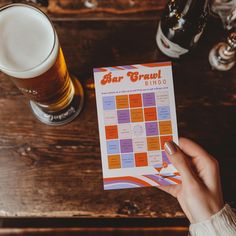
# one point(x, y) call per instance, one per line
point(200, 194)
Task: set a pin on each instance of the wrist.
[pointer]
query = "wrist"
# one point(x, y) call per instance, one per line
point(198, 209)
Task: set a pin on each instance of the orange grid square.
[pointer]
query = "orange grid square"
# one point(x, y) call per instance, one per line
point(150, 113)
point(111, 132)
point(122, 101)
point(114, 162)
point(153, 143)
point(165, 139)
point(141, 159)
point(165, 127)
point(136, 115)
point(135, 100)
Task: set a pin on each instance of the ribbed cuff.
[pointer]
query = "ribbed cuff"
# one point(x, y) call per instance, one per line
point(223, 223)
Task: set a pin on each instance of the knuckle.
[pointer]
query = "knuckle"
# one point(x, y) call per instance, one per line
point(181, 158)
point(214, 164)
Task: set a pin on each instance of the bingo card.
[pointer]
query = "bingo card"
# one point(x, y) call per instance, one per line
point(136, 116)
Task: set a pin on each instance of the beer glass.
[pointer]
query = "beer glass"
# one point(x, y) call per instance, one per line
point(31, 54)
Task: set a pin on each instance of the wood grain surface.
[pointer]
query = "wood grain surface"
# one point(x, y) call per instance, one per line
point(56, 171)
point(96, 9)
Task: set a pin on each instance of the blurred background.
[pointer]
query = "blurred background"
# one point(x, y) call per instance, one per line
point(56, 172)
point(98, 9)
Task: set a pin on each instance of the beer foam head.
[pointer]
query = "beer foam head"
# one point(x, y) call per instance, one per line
point(28, 43)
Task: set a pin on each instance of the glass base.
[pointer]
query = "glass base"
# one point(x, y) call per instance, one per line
point(66, 115)
point(220, 61)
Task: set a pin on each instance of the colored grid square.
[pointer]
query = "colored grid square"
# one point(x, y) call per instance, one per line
point(111, 132)
point(165, 158)
point(141, 159)
point(127, 160)
point(124, 131)
point(162, 98)
point(151, 128)
point(150, 114)
point(164, 113)
point(123, 116)
point(155, 159)
point(137, 129)
point(126, 145)
point(153, 143)
point(136, 115)
point(113, 147)
point(165, 139)
point(122, 101)
point(109, 103)
point(140, 144)
point(135, 100)
point(114, 162)
point(165, 127)
point(110, 117)
point(149, 99)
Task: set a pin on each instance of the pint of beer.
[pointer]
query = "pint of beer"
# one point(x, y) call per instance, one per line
point(30, 53)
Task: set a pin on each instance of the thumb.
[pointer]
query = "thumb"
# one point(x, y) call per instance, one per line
point(180, 161)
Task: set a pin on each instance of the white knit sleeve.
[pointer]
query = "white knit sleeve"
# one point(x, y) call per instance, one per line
point(223, 223)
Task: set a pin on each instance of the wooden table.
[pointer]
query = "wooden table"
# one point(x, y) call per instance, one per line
point(56, 171)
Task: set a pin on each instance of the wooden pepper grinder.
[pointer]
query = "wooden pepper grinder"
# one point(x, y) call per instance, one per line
point(222, 55)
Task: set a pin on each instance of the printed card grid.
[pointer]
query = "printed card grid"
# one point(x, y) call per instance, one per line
point(134, 125)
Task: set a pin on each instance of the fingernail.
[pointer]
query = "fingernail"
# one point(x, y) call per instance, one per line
point(170, 147)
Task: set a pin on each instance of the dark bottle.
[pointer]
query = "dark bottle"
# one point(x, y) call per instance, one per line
point(181, 26)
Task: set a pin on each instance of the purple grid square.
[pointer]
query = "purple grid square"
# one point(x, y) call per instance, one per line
point(123, 116)
point(151, 128)
point(126, 145)
point(149, 99)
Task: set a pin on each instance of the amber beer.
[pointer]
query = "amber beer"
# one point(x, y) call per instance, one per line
point(30, 53)
point(52, 90)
